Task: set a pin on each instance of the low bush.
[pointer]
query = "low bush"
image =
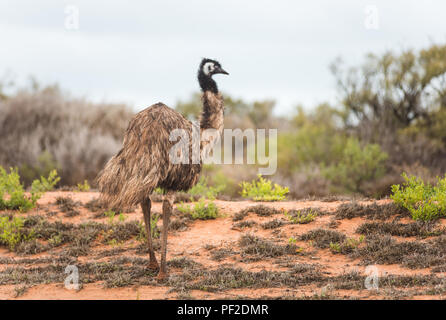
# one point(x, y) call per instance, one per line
point(357, 166)
point(201, 210)
point(11, 231)
point(322, 238)
point(263, 190)
point(110, 214)
point(260, 210)
point(12, 193)
point(253, 245)
point(42, 166)
point(347, 246)
point(83, 187)
point(301, 216)
point(68, 205)
point(423, 200)
point(202, 189)
point(46, 184)
point(272, 224)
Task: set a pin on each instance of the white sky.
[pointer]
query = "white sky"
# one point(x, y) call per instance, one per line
point(142, 52)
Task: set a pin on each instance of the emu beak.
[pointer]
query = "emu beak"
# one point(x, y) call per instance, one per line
point(220, 70)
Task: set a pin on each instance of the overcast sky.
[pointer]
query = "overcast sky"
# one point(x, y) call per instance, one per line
point(142, 52)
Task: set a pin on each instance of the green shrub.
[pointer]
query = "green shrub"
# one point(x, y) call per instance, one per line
point(11, 187)
point(316, 140)
point(110, 214)
point(46, 184)
point(424, 201)
point(201, 210)
point(55, 240)
point(347, 246)
point(335, 247)
point(45, 164)
point(11, 232)
point(12, 193)
point(202, 189)
point(83, 187)
point(357, 166)
point(223, 180)
point(263, 190)
point(301, 216)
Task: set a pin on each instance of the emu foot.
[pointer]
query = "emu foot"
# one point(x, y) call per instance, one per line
point(153, 265)
point(162, 276)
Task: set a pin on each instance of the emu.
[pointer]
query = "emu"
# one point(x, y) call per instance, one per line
point(129, 177)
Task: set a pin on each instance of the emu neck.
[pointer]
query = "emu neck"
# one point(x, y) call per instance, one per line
point(212, 115)
point(207, 83)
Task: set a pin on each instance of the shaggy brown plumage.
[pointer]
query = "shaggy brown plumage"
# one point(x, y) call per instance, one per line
point(143, 163)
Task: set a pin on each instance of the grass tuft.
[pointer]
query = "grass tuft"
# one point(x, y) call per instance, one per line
point(322, 238)
point(253, 245)
point(303, 216)
point(260, 210)
point(273, 224)
point(416, 229)
point(372, 211)
point(201, 210)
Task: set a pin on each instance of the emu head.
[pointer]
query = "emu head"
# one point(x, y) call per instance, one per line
point(210, 67)
point(207, 69)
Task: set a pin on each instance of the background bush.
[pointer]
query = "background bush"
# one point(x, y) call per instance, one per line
point(44, 128)
point(389, 118)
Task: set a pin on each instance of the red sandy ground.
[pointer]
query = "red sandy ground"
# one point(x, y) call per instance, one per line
point(218, 232)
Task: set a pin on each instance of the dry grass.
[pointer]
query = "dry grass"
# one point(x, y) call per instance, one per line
point(370, 211)
point(260, 210)
point(253, 245)
point(415, 229)
point(73, 135)
point(322, 238)
point(262, 261)
point(244, 224)
point(68, 206)
point(383, 249)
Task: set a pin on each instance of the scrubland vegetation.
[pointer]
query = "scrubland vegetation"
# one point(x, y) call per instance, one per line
point(12, 193)
point(110, 250)
point(110, 244)
point(385, 137)
point(389, 119)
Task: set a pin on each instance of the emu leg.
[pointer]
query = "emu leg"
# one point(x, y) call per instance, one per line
point(146, 207)
point(167, 211)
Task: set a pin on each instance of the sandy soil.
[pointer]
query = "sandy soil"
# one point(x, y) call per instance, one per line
point(194, 244)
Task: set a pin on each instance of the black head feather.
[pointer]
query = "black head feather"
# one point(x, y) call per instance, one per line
point(208, 68)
